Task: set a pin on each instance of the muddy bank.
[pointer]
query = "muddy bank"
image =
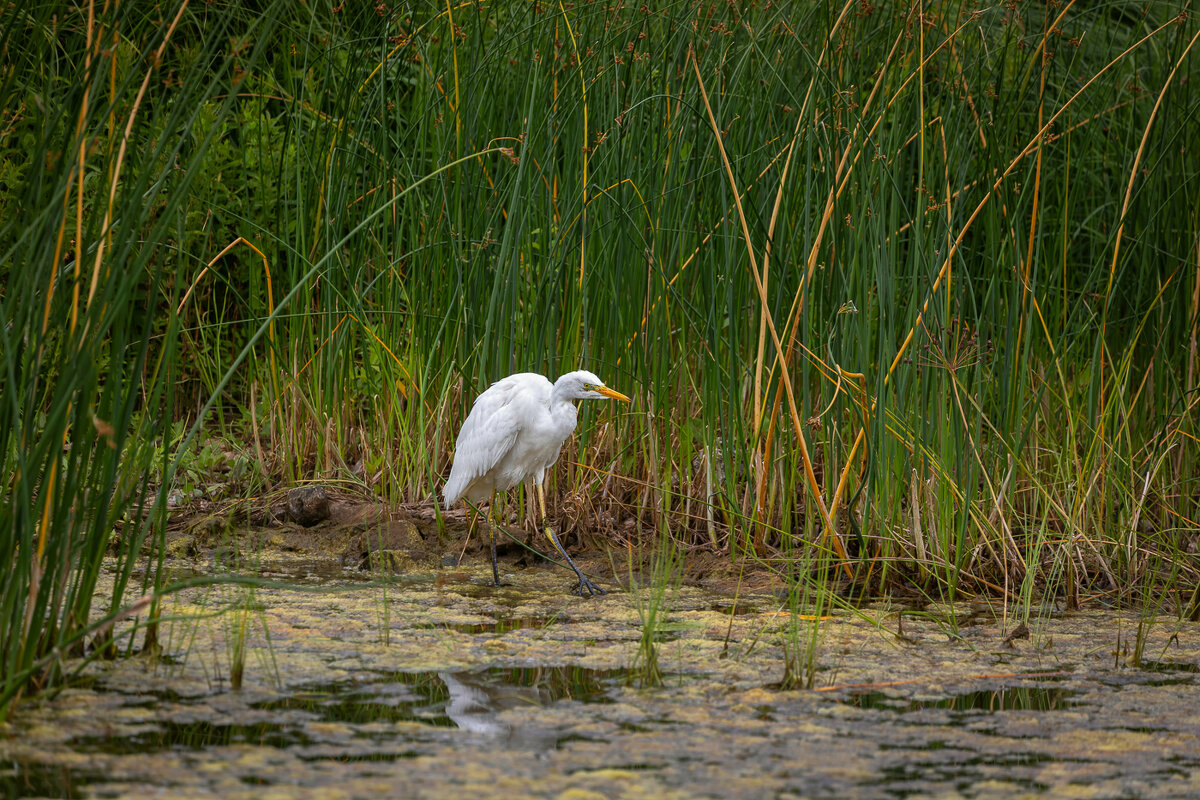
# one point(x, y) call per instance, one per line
point(415, 541)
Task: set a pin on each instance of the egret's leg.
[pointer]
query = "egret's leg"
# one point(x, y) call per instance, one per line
point(492, 532)
point(584, 584)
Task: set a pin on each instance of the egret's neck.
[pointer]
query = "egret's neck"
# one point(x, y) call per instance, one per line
point(562, 410)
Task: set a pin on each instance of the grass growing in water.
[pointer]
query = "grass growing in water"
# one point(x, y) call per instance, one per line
point(926, 272)
point(651, 592)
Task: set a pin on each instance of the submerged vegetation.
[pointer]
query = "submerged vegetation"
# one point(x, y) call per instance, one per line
point(906, 295)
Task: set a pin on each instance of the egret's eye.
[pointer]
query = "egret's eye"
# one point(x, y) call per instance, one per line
point(591, 387)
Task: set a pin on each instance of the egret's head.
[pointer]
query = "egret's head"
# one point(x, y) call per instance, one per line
point(584, 385)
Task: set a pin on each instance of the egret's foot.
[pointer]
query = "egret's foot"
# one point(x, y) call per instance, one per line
point(587, 586)
point(584, 584)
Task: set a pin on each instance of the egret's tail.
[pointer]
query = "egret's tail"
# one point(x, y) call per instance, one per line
point(453, 490)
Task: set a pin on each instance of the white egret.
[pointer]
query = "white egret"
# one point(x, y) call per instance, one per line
point(512, 435)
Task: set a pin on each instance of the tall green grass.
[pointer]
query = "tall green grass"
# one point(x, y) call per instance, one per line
point(109, 120)
point(935, 259)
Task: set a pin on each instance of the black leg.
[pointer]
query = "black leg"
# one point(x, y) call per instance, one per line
point(584, 584)
point(495, 569)
point(492, 532)
point(491, 526)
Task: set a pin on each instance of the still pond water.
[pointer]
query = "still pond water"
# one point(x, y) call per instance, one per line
point(444, 686)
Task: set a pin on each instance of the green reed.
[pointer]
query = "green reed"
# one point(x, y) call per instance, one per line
point(914, 285)
point(107, 123)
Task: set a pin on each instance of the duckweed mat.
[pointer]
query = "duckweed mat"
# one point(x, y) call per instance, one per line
point(442, 685)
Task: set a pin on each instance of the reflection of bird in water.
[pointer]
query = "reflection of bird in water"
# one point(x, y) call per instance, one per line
point(469, 707)
point(475, 705)
point(513, 434)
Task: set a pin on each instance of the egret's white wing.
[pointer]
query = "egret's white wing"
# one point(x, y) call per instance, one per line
point(489, 432)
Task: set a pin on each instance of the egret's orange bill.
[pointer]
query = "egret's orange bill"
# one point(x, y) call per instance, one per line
point(615, 395)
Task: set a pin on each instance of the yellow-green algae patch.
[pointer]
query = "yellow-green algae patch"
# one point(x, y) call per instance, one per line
point(447, 686)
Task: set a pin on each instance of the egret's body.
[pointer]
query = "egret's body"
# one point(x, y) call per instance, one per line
point(513, 435)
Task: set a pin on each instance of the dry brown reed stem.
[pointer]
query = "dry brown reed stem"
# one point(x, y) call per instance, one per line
point(1137, 160)
point(696, 251)
point(761, 463)
point(843, 173)
point(83, 109)
point(798, 300)
point(270, 303)
point(93, 43)
point(766, 268)
point(1029, 147)
point(1035, 141)
point(454, 57)
point(1037, 185)
point(785, 377)
point(1133, 173)
point(132, 610)
point(116, 174)
point(762, 460)
point(584, 151)
point(841, 180)
point(215, 259)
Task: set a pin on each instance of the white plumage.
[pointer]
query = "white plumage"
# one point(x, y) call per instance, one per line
point(514, 433)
